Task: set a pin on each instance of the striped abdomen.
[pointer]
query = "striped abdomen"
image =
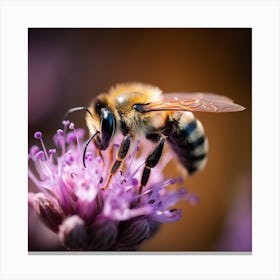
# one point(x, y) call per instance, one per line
point(186, 137)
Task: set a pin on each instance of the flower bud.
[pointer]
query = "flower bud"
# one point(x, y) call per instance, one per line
point(103, 234)
point(49, 212)
point(133, 232)
point(73, 234)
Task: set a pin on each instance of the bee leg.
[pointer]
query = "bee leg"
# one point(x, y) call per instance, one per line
point(122, 152)
point(152, 160)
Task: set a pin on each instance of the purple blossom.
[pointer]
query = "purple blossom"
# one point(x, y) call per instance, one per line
point(72, 204)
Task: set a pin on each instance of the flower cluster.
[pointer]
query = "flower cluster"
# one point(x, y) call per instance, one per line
point(72, 203)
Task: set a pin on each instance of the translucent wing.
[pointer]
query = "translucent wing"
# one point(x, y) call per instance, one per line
point(202, 102)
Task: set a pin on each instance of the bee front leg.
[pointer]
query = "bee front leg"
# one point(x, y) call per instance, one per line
point(122, 152)
point(152, 160)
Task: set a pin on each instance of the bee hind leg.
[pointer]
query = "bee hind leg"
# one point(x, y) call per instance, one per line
point(152, 160)
point(122, 152)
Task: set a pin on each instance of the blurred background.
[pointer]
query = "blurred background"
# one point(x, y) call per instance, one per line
point(68, 67)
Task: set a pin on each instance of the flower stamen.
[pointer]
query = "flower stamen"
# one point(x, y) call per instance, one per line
point(72, 201)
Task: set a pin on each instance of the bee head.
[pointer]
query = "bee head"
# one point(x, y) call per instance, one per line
point(102, 121)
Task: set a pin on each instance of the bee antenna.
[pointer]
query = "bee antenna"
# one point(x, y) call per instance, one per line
point(85, 148)
point(75, 109)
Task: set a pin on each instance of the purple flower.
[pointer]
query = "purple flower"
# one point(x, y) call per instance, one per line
point(72, 204)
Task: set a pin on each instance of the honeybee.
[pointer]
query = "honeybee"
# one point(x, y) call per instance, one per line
point(141, 110)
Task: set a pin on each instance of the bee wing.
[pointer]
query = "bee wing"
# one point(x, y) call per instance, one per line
point(202, 102)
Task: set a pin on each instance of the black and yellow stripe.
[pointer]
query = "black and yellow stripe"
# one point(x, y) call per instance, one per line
point(188, 141)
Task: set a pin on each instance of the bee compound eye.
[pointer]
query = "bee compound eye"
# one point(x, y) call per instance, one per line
point(108, 127)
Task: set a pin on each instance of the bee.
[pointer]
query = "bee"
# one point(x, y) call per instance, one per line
point(140, 110)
